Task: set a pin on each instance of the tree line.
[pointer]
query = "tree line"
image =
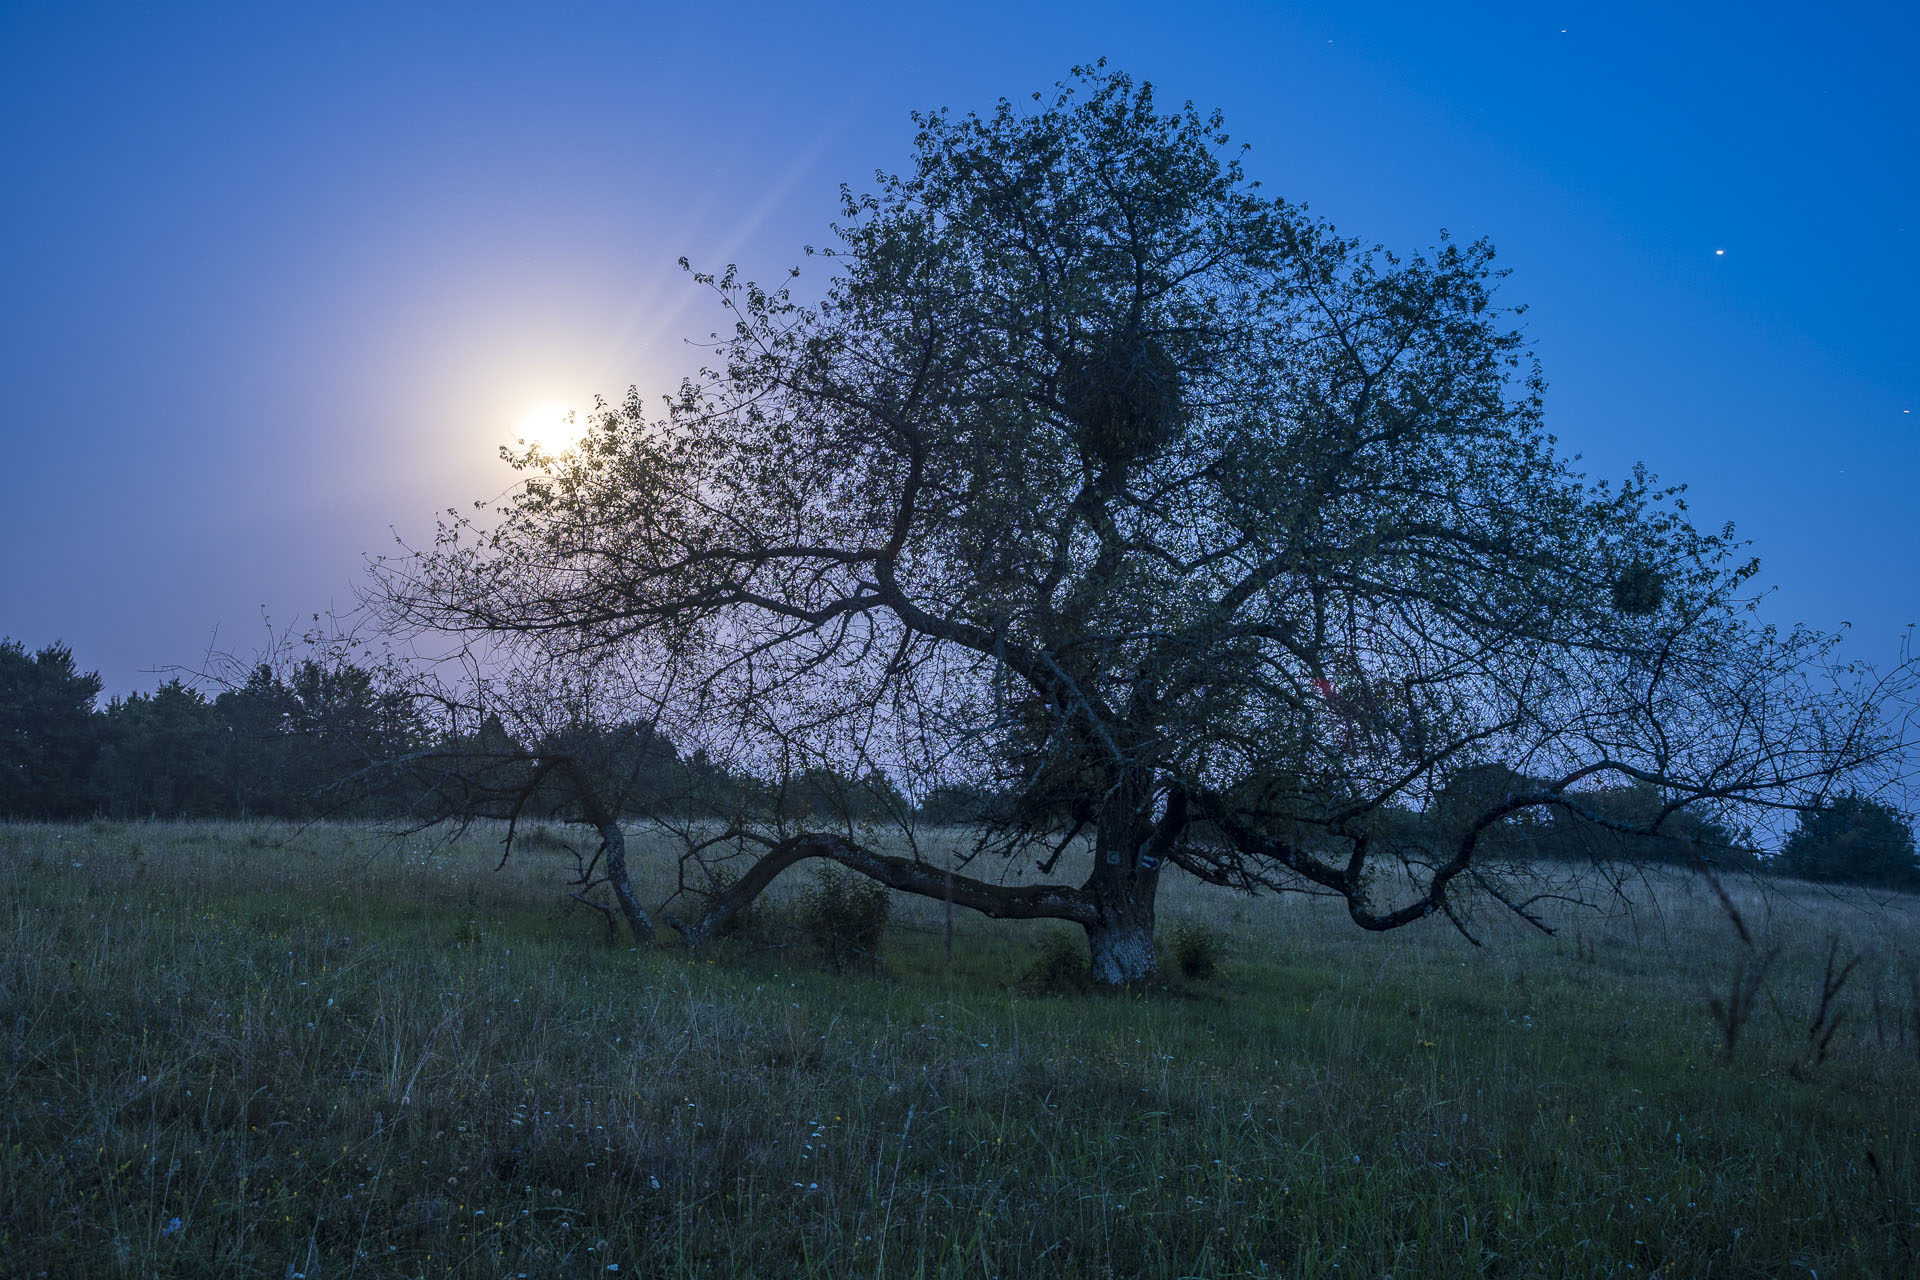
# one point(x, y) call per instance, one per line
point(277, 745)
point(327, 738)
point(316, 738)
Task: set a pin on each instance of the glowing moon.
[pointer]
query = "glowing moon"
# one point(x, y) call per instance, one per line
point(553, 427)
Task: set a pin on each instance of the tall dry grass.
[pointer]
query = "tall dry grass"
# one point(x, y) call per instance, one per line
point(246, 1050)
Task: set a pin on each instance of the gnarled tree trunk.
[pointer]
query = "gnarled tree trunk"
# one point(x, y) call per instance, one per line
point(1121, 890)
point(1115, 905)
point(1000, 901)
point(614, 844)
point(1120, 938)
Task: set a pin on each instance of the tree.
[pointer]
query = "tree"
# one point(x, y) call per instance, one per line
point(1616, 824)
point(561, 756)
point(157, 756)
point(346, 730)
point(49, 733)
point(1099, 483)
point(313, 727)
point(1853, 839)
point(254, 743)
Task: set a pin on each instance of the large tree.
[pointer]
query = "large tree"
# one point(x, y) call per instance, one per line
point(1102, 487)
point(157, 756)
point(49, 733)
point(1854, 840)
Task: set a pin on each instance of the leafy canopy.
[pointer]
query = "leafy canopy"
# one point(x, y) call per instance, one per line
point(1100, 482)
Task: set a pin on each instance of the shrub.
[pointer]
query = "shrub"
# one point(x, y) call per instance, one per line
point(1853, 840)
point(538, 839)
point(844, 915)
point(1060, 966)
point(1198, 951)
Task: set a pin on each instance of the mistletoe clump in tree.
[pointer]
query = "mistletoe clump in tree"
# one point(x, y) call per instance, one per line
point(1140, 506)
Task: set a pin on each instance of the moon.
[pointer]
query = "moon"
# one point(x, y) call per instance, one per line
point(553, 427)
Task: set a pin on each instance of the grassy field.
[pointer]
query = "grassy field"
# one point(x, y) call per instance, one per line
point(250, 1051)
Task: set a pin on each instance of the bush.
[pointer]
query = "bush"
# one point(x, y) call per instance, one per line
point(1198, 951)
point(1853, 840)
point(1060, 966)
point(759, 921)
point(845, 915)
point(543, 839)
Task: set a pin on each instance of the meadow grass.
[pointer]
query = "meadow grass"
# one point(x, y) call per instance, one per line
point(255, 1051)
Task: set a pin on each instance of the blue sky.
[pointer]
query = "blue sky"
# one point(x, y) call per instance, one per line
point(276, 281)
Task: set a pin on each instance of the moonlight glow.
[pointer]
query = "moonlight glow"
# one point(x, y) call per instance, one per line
point(553, 427)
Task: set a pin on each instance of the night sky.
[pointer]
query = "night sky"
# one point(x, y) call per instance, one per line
point(277, 281)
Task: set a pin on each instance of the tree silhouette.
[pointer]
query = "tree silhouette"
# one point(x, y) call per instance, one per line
point(49, 733)
point(157, 756)
point(1099, 484)
point(1853, 839)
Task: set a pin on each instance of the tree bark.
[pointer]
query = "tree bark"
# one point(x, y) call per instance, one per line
point(1125, 879)
point(1115, 906)
point(1121, 946)
point(607, 823)
point(1017, 902)
point(617, 876)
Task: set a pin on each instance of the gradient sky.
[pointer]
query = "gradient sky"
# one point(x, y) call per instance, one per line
point(276, 281)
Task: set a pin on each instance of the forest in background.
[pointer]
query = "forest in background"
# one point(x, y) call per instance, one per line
point(324, 738)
